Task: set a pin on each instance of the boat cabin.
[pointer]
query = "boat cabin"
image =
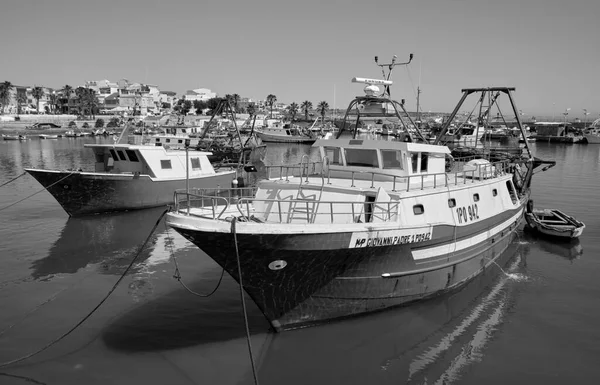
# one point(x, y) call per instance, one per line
point(153, 161)
point(383, 157)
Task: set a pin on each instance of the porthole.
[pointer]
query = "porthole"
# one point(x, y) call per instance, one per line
point(476, 197)
point(451, 202)
point(418, 209)
point(494, 192)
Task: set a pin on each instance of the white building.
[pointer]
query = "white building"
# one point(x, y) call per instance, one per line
point(199, 94)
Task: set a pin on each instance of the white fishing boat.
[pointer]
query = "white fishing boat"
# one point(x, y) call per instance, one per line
point(369, 225)
point(48, 136)
point(127, 177)
point(280, 132)
point(592, 135)
point(14, 137)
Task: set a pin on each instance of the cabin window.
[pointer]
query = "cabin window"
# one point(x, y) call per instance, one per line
point(180, 141)
point(451, 202)
point(132, 155)
point(113, 154)
point(392, 159)
point(121, 155)
point(361, 157)
point(333, 153)
point(168, 140)
point(195, 163)
point(414, 158)
point(165, 163)
point(158, 139)
point(424, 158)
point(183, 130)
point(418, 209)
point(476, 197)
point(494, 192)
point(511, 191)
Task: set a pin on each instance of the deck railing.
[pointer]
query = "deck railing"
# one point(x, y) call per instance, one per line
point(284, 210)
point(214, 203)
point(322, 169)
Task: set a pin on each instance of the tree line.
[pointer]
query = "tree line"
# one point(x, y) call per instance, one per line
point(185, 106)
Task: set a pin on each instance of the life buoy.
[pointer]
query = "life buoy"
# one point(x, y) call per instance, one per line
point(407, 138)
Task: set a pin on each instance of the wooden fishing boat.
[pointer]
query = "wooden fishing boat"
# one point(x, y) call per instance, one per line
point(553, 223)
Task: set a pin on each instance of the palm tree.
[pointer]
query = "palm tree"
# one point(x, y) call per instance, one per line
point(293, 110)
point(53, 98)
point(306, 106)
point(251, 109)
point(21, 101)
point(322, 107)
point(5, 89)
point(37, 93)
point(271, 99)
point(236, 99)
point(66, 91)
point(92, 102)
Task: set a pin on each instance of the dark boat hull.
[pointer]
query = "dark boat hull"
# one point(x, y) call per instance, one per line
point(81, 193)
point(299, 280)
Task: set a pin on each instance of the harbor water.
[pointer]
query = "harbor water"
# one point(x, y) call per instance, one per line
point(534, 322)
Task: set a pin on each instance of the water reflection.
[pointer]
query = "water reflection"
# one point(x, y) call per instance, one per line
point(432, 341)
point(570, 250)
point(111, 239)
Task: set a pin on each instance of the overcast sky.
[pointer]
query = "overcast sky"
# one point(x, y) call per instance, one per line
point(310, 49)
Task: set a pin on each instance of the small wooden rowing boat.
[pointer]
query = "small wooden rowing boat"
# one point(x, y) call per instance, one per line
point(14, 137)
point(48, 136)
point(553, 223)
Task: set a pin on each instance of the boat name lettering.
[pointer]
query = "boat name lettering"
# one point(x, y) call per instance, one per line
point(390, 241)
point(470, 213)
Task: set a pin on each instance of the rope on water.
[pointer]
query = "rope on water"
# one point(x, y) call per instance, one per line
point(239, 265)
point(177, 274)
point(13, 179)
point(35, 193)
point(24, 378)
point(3, 364)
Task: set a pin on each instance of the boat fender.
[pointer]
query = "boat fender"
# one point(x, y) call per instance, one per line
point(530, 206)
point(458, 136)
point(407, 138)
point(234, 183)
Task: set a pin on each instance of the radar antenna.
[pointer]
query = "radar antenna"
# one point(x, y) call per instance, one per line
point(390, 68)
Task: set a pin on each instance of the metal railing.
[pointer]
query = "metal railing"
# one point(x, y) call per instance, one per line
point(480, 172)
point(284, 210)
point(213, 203)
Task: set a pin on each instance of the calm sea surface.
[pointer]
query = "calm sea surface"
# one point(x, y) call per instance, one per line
point(539, 324)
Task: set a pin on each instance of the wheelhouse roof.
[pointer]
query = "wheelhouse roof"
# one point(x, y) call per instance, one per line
point(382, 145)
point(125, 146)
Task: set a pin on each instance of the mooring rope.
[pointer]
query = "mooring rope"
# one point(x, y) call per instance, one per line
point(35, 193)
point(96, 307)
point(13, 179)
point(24, 378)
point(239, 265)
point(177, 274)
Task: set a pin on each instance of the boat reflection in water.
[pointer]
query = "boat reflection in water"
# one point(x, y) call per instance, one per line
point(570, 249)
point(112, 239)
point(432, 342)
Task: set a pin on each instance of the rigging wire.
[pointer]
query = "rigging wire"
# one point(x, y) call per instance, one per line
point(13, 179)
point(177, 274)
point(35, 193)
point(239, 265)
point(114, 287)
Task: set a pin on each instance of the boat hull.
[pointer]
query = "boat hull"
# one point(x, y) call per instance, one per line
point(556, 232)
point(85, 193)
point(592, 139)
point(300, 279)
